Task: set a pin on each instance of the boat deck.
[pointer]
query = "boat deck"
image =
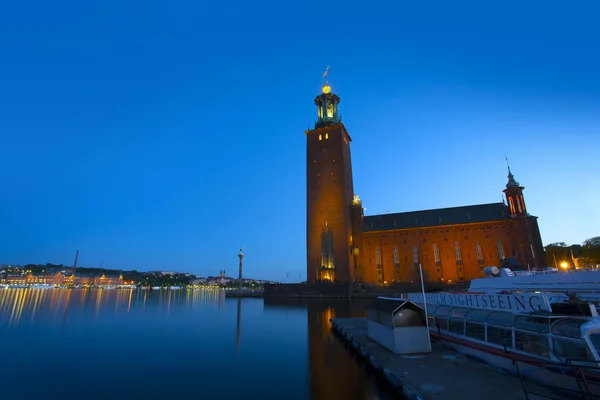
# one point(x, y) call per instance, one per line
point(441, 374)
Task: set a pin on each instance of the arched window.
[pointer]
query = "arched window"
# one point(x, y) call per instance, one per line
point(326, 135)
point(378, 256)
point(511, 204)
point(523, 204)
point(500, 250)
point(436, 254)
point(416, 254)
point(519, 204)
point(320, 137)
point(457, 253)
point(479, 252)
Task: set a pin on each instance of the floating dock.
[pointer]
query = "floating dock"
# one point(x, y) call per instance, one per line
point(441, 374)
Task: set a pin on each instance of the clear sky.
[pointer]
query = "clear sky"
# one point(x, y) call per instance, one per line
point(165, 134)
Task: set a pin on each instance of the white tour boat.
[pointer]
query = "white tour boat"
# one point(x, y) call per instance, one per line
point(550, 280)
point(550, 343)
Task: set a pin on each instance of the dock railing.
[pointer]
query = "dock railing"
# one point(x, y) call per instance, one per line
point(583, 374)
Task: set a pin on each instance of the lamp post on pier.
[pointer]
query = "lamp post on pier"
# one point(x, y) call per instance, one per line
point(241, 256)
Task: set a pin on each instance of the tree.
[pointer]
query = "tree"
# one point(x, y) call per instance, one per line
point(590, 252)
point(557, 253)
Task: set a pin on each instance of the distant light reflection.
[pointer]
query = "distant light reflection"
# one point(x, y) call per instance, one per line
point(38, 305)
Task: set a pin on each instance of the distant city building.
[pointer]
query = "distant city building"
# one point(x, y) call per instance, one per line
point(451, 244)
point(59, 278)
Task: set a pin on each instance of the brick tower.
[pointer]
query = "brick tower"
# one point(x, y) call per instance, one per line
point(526, 233)
point(329, 195)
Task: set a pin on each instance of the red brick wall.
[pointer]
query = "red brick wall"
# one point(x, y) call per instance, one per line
point(329, 193)
point(487, 234)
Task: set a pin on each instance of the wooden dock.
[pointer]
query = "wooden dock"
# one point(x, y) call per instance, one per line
point(441, 374)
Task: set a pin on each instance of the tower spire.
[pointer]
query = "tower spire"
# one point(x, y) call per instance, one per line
point(511, 178)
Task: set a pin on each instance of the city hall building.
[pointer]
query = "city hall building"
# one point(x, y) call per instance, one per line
point(450, 244)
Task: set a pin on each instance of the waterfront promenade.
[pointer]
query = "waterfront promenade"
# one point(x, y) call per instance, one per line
point(441, 374)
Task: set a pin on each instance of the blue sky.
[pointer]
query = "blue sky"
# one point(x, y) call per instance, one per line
point(164, 135)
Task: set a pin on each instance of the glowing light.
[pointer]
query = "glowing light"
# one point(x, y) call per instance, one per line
point(326, 88)
point(564, 265)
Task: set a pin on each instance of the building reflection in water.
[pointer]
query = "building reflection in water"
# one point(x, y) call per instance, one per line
point(333, 374)
point(237, 325)
point(30, 305)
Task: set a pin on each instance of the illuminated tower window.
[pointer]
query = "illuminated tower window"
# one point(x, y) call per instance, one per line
point(519, 204)
point(511, 204)
point(500, 250)
point(457, 253)
point(320, 137)
point(326, 135)
point(523, 204)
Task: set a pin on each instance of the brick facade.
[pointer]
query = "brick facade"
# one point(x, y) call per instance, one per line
point(452, 245)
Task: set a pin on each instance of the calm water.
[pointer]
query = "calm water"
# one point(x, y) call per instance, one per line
point(113, 344)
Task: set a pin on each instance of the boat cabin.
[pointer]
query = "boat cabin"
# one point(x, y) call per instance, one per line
point(542, 335)
point(398, 325)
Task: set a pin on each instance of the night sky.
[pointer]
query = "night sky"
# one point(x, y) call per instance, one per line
point(164, 135)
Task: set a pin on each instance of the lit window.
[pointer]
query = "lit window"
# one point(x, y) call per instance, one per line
point(416, 254)
point(500, 250)
point(436, 253)
point(326, 135)
point(378, 256)
point(320, 137)
point(479, 252)
point(519, 204)
point(457, 253)
point(523, 204)
point(511, 205)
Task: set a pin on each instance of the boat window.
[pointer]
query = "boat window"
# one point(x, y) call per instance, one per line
point(571, 350)
point(456, 326)
point(499, 336)
point(501, 318)
point(441, 323)
point(531, 323)
point(431, 308)
point(443, 311)
point(595, 339)
point(532, 343)
point(459, 312)
point(568, 327)
point(479, 315)
point(475, 331)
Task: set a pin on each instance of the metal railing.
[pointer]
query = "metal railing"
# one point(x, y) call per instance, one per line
point(580, 380)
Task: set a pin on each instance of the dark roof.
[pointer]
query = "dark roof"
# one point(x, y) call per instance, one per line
point(389, 305)
point(437, 217)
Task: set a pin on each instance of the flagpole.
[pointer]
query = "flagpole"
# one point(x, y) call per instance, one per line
point(425, 307)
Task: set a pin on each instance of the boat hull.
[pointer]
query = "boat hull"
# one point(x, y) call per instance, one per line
point(532, 369)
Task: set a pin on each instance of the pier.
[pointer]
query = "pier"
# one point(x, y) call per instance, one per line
point(441, 374)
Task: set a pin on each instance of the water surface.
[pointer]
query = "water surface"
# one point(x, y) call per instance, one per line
point(114, 344)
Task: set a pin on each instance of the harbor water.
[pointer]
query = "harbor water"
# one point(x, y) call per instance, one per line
point(118, 344)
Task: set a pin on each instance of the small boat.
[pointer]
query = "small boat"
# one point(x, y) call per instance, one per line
point(41, 286)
